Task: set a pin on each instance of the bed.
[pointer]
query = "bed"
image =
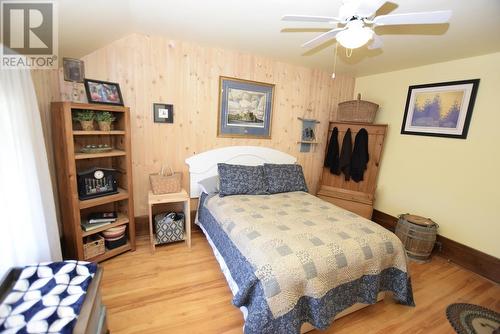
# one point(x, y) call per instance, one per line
point(292, 260)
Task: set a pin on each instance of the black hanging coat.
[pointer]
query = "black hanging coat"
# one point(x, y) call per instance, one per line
point(332, 156)
point(345, 155)
point(360, 156)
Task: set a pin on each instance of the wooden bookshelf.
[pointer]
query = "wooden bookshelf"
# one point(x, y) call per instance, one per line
point(68, 139)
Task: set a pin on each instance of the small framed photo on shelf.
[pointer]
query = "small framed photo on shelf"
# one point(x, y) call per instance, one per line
point(103, 92)
point(440, 109)
point(74, 70)
point(163, 113)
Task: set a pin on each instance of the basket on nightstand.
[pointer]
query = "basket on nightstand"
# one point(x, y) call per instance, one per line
point(169, 227)
point(162, 183)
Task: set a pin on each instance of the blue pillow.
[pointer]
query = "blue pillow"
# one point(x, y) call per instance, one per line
point(283, 178)
point(241, 180)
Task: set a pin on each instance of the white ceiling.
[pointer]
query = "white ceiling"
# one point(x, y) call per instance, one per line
point(255, 27)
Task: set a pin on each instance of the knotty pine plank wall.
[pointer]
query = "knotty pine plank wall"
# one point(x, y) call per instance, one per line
point(46, 84)
point(155, 69)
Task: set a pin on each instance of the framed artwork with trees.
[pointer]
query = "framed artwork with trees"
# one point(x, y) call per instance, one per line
point(440, 109)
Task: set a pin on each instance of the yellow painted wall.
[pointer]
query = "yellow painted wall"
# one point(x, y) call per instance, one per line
point(454, 181)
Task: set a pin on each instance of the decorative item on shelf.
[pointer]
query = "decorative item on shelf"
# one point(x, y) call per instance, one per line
point(85, 118)
point(418, 235)
point(112, 243)
point(308, 134)
point(114, 232)
point(93, 246)
point(100, 148)
point(102, 217)
point(115, 236)
point(96, 220)
point(245, 108)
point(74, 69)
point(87, 227)
point(103, 92)
point(357, 111)
point(104, 120)
point(71, 78)
point(162, 183)
point(169, 227)
point(96, 182)
point(440, 109)
point(163, 113)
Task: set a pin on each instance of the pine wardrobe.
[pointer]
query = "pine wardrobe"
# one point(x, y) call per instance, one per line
point(357, 197)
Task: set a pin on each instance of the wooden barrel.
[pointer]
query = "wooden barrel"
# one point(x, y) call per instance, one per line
point(418, 235)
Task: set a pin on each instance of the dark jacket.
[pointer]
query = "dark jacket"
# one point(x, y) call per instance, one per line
point(332, 155)
point(360, 156)
point(345, 155)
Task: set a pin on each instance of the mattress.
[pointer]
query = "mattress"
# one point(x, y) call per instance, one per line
point(292, 258)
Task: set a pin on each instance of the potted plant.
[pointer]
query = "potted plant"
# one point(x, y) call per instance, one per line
point(104, 119)
point(86, 119)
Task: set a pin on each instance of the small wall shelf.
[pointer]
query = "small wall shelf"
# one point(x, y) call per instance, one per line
point(308, 136)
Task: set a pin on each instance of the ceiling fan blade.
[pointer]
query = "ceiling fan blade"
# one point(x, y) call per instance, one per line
point(367, 8)
point(306, 18)
point(437, 17)
point(376, 43)
point(322, 38)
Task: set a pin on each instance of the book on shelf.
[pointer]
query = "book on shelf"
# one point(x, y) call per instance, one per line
point(102, 217)
point(86, 226)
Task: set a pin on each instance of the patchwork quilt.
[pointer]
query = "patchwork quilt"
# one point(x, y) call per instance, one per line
point(297, 258)
point(46, 298)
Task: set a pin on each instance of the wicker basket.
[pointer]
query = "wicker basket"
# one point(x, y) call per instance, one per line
point(162, 183)
point(357, 111)
point(93, 246)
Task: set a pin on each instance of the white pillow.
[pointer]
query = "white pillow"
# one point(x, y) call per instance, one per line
point(210, 185)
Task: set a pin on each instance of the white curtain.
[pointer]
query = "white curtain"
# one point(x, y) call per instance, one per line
point(28, 225)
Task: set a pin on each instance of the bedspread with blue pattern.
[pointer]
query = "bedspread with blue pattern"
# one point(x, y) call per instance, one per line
point(288, 255)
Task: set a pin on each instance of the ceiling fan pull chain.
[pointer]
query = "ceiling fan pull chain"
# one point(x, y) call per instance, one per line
point(335, 60)
point(348, 53)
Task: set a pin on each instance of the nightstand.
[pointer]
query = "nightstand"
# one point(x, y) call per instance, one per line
point(181, 197)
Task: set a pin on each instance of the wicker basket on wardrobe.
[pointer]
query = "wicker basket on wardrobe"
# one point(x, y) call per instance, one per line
point(357, 111)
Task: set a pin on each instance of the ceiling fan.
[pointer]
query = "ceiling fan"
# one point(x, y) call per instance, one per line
point(357, 19)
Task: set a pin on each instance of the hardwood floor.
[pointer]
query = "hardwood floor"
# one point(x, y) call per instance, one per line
point(181, 290)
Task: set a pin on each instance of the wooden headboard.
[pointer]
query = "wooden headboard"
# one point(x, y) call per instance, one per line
point(204, 165)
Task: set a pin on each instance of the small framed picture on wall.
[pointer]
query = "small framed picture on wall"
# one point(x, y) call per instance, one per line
point(163, 113)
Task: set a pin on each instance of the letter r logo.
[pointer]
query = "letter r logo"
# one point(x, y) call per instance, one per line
point(27, 28)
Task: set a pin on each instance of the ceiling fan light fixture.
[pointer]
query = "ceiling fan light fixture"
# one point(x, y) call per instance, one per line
point(354, 36)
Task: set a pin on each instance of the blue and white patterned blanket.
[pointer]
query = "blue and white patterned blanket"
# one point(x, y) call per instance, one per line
point(296, 258)
point(47, 298)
